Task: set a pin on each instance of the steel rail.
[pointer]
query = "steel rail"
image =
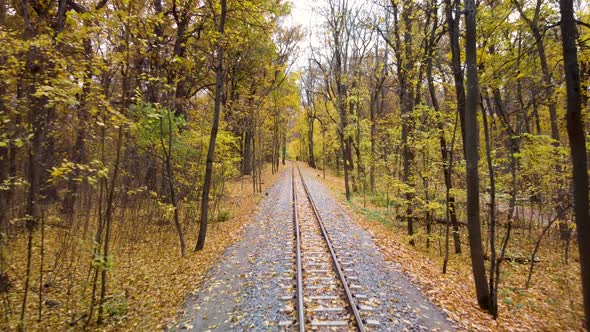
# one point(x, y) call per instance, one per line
point(300, 307)
point(357, 316)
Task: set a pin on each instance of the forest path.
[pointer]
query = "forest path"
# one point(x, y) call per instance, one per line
point(246, 289)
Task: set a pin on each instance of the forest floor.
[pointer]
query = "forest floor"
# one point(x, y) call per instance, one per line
point(148, 280)
point(552, 303)
point(246, 289)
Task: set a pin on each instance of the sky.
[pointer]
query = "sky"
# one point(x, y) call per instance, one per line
point(302, 13)
point(305, 14)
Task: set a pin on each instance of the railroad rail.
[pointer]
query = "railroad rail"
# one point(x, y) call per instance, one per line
point(300, 307)
point(351, 318)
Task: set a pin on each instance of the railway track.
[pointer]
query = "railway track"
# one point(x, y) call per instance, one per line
point(327, 295)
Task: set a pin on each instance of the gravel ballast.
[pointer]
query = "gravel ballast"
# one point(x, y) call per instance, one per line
point(246, 289)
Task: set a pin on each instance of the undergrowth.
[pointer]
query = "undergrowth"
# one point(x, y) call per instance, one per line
point(553, 302)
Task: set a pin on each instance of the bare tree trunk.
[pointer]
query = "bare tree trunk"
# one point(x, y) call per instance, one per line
point(79, 150)
point(21, 323)
point(108, 222)
point(183, 84)
point(99, 230)
point(494, 265)
point(170, 176)
point(444, 148)
point(4, 176)
point(337, 19)
point(41, 266)
point(310, 129)
point(448, 212)
point(576, 135)
point(547, 77)
point(453, 27)
point(344, 164)
point(253, 161)
point(407, 105)
point(284, 145)
point(471, 156)
point(37, 120)
point(275, 145)
point(350, 162)
point(214, 129)
point(108, 215)
point(4, 197)
point(373, 137)
point(247, 152)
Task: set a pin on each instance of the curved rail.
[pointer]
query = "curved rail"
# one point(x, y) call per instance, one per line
point(339, 271)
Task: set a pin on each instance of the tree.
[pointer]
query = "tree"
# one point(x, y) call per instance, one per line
point(214, 128)
point(337, 16)
point(310, 109)
point(472, 158)
point(453, 30)
point(406, 125)
point(575, 130)
point(73, 157)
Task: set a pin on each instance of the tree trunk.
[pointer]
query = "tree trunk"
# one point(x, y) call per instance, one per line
point(109, 220)
point(338, 12)
point(284, 145)
point(407, 106)
point(576, 135)
point(170, 176)
point(444, 148)
point(4, 171)
point(407, 156)
point(310, 122)
point(182, 86)
point(36, 120)
point(453, 27)
point(247, 152)
point(345, 165)
point(471, 156)
point(79, 151)
point(214, 129)
point(4, 199)
point(373, 135)
point(547, 77)
point(494, 265)
point(548, 82)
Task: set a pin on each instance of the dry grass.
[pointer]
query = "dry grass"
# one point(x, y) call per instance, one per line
point(552, 303)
